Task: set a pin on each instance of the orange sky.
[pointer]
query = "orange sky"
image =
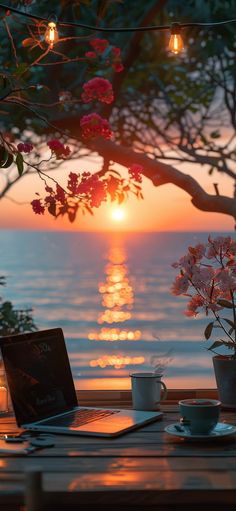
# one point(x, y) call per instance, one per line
point(163, 209)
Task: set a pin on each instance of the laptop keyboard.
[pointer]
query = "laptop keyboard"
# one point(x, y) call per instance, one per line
point(79, 417)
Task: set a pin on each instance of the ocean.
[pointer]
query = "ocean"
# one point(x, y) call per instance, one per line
point(110, 293)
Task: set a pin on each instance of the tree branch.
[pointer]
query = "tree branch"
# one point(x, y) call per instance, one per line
point(160, 173)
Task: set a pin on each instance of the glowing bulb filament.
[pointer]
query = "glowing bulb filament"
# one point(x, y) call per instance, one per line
point(176, 44)
point(51, 35)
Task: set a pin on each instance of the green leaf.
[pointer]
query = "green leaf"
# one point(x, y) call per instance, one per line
point(208, 330)
point(230, 323)
point(225, 303)
point(216, 344)
point(229, 344)
point(215, 134)
point(20, 163)
point(3, 156)
point(9, 161)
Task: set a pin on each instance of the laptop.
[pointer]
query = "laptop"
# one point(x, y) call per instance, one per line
point(43, 394)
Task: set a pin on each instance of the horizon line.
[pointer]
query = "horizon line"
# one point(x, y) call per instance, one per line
point(110, 231)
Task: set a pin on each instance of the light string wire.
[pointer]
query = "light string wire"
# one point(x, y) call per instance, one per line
point(116, 29)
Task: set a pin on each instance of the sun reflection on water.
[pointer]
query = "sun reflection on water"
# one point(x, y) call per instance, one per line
point(116, 361)
point(117, 301)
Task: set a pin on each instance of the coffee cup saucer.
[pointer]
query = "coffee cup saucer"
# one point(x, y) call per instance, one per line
point(221, 429)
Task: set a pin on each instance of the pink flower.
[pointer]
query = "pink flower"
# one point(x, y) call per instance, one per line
point(214, 284)
point(116, 51)
point(24, 148)
point(180, 285)
point(94, 125)
point(118, 67)
point(58, 148)
point(60, 194)
point(73, 182)
point(195, 302)
point(198, 251)
point(99, 45)
point(90, 55)
point(48, 189)
point(98, 194)
point(135, 172)
point(97, 88)
point(94, 187)
point(202, 277)
point(186, 263)
point(37, 207)
point(225, 280)
point(219, 246)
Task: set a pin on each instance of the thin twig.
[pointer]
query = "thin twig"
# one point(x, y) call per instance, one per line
point(11, 41)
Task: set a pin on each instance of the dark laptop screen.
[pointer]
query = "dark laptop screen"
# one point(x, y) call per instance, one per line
point(38, 374)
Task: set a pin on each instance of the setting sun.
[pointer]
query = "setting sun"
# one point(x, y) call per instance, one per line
point(118, 214)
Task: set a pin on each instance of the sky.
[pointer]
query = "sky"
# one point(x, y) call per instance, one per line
point(166, 208)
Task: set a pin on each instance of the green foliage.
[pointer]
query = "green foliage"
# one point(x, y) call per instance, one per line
point(20, 164)
point(225, 303)
point(229, 342)
point(14, 321)
point(208, 330)
point(218, 344)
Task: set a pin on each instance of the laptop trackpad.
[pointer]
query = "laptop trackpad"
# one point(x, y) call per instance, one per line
point(114, 424)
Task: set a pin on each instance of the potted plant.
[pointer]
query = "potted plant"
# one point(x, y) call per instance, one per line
point(207, 276)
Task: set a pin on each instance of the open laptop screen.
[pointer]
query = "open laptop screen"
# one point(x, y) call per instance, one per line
point(38, 374)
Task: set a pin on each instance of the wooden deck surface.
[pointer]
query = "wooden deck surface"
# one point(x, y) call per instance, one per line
point(144, 469)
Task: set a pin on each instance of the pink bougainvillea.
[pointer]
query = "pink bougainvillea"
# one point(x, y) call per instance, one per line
point(94, 125)
point(135, 172)
point(58, 149)
point(99, 45)
point(24, 147)
point(112, 56)
point(97, 88)
point(85, 190)
point(60, 195)
point(73, 182)
point(116, 51)
point(37, 207)
point(90, 55)
point(118, 67)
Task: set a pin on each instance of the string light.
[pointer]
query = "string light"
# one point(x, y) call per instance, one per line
point(176, 44)
point(51, 34)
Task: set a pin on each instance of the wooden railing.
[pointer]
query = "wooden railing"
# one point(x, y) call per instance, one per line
point(123, 397)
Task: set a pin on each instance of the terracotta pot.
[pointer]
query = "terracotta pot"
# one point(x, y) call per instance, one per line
point(225, 374)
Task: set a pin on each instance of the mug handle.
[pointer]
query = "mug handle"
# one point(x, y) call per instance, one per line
point(165, 391)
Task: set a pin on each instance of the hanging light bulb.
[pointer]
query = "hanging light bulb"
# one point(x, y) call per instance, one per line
point(51, 34)
point(176, 44)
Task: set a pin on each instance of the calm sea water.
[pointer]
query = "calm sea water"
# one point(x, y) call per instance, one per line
point(111, 295)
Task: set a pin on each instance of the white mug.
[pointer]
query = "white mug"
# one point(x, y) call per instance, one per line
point(146, 391)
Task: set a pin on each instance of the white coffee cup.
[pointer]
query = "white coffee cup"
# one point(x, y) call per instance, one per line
point(146, 391)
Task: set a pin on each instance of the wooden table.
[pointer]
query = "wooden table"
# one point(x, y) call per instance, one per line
point(144, 469)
